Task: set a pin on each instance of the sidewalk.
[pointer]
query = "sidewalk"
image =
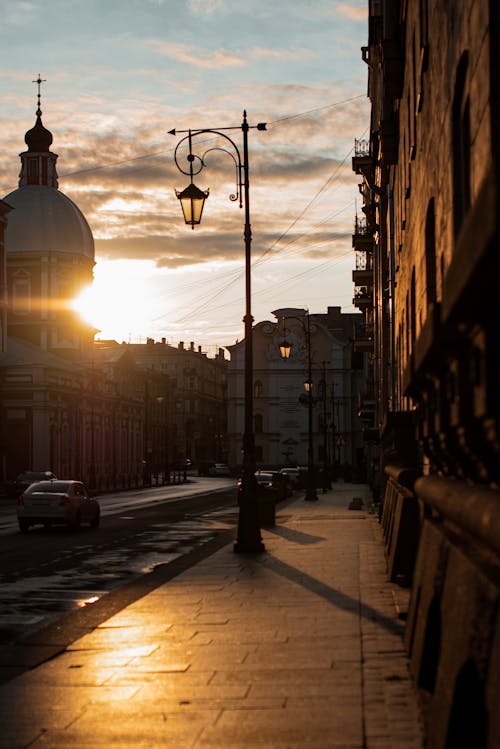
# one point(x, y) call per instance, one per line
point(297, 648)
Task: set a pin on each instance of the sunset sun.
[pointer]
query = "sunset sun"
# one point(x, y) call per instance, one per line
point(119, 301)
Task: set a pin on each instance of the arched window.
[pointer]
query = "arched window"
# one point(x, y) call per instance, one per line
point(430, 254)
point(21, 293)
point(32, 168)
point(461, 146)
point(413, 312)
point(257, 389)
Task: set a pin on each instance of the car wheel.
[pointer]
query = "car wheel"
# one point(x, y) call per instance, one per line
point(94, 523)
point(24, 526)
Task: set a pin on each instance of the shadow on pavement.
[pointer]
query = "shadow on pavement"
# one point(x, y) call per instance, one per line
point(333, 596)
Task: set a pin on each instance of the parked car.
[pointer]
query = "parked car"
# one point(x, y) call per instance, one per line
point(284, 483)
point(265, 479)
point(24, 479)
point(219, 469)
point(57, 502)
point(295, 474)
point(271, 480)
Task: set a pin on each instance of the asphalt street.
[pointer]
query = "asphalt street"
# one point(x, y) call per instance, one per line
point(49, 575)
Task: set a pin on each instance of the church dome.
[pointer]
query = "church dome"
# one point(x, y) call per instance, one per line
point(38, 138)
point(45, 220)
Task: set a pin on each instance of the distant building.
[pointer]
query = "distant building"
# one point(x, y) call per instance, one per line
point(196, 399)
point(280, 402)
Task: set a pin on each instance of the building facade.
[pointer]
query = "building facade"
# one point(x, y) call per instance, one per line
point(281, 416)
point(4, 211)
point(63, 406)
point(427, 241)
point(115, 416)
point(196, 399)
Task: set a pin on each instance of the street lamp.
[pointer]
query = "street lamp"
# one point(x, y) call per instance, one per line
point(192, 200)
point(286, 350)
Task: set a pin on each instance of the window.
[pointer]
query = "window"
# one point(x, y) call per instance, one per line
point(461, 147)
point(257, 389)
point(413, 312)
point(21, 294)
point(32, 168)
point(258, 423)
point(430, 254)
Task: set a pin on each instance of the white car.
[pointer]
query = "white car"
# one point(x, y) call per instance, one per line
point(219, 469)
point(294, 475)
point(57, 502)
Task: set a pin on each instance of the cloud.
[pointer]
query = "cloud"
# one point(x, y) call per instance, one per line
point(353, 12)
point(263, 53)
point(18, 13)
point(119, 169)
point(222, 58)
point(182, 53)
point(206, 7)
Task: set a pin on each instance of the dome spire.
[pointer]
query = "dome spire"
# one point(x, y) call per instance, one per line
point(38, 163)
point(39, 81)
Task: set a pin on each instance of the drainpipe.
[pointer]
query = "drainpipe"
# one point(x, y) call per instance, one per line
point(392, 286)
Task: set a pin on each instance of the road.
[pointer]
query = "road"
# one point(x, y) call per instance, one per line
point(51, 571)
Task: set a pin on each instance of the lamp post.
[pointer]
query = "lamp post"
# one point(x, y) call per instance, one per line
point(163, 403)
point(147, 444)
point(286, 350)
point(192, 200)
point(326, 457)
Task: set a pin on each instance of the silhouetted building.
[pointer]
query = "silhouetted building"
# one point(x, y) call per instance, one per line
point(196, 398)
point(62, 405)
point(428, 264)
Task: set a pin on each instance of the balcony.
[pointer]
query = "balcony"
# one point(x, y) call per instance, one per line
point(363, 298)
point(363, 277)
point(366, 410)
point(363, 338)
point(362, 162)
point(362, 239)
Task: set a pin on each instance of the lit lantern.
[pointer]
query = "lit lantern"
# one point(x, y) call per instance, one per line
point(192, 202)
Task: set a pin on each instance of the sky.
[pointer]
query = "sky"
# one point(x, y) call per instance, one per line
point(118, 75)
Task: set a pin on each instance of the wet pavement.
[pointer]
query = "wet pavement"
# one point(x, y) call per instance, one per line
point(300, 646)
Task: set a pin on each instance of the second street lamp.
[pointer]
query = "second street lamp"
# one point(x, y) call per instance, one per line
point(285, 350)
point(192, 199)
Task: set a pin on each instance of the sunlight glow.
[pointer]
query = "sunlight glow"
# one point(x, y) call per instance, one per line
point(119, 303)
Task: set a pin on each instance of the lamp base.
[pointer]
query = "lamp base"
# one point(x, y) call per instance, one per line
point(249, 547)
point(249, 539)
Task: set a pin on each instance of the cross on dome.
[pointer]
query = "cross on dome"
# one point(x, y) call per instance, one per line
point(39, 81)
